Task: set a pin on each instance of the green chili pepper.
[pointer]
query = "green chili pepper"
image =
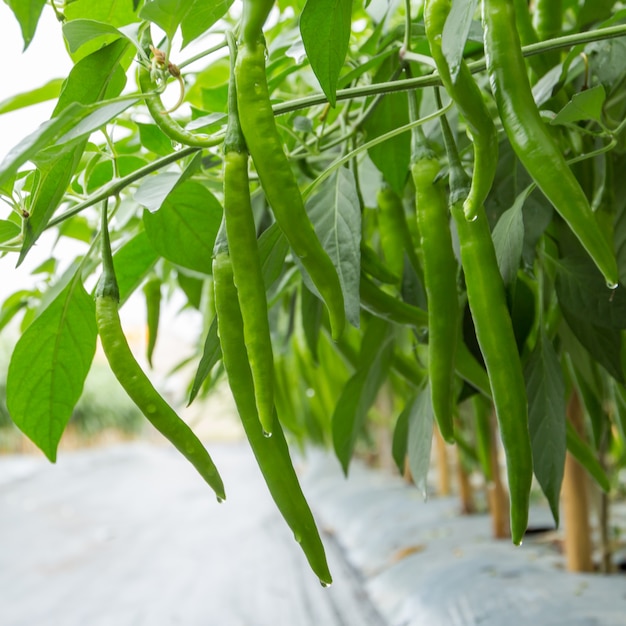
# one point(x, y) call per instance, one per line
point(278, 180)
point(528, 36)
point(468, 98)
point(152, 292)
point(383, 305)
point(440, 272)
point(548, 18)
point(371, 264)
point(244, 252)
point(161, 118)
point(494, 331)
point(272, 453)
point(395, 237)
point(534, 145)
point(135, 382)
point(254, 14)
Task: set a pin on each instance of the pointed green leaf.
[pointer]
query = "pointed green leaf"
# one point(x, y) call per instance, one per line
point(582, 290)
point(392, 158)
point(211, 354)
point(583, 453)
point(603, 344)
point(79, 32)
point(360, 391)
point(25, 99)
point(312, 313)
point(27, 13)
point(92, 78)
point(546, 419)
point(455, 32)
point(273, 248)
point(8, 230)
point(166, 14)
point(401, 435)
point(201, 16)
point(49, 366)
point(183, 230)
point(508, 238)
point(584, 105)
point(114, 12)
point(336, 216)
point(132, 263)
point(325, 27)
point(420, 438)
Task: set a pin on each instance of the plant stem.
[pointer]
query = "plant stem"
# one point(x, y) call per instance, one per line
point(115, 186)
point(433, 80)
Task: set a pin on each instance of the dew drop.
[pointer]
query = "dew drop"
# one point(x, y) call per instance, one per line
point(176, 146)
point(325, 584)
point(611, 285)
point(297, 537)
point(267, 434)
point(220, 500)
point(472, 218)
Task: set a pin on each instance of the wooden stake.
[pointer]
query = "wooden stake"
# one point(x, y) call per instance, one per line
point(466, 493)
point(577, 543)
point(497, 496)
point(443, 468)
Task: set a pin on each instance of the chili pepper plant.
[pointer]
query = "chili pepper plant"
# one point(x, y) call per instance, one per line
point(407, 215)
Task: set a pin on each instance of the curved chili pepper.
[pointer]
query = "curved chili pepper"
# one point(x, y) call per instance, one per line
point(534, 145)
point(278, 180)
point(244, 253)
point(494, 331)
point(132, 378)
point(272, 453)
point(468, 98)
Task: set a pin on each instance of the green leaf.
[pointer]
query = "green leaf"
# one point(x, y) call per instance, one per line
point(584, 105)
point(8, 230)
point(583, 453)
point(27, 13)
point(183, 230)
point(603, 344)
point(192, 287)
point(582, 290)
point(166, 14)
point(392, 158)
point(132, 263)
point(79, 32)
point(312, 313)
point(420, 439)
point(201, 16)
point(508, 238)
point(401, 435)
point(211, 354)
point(46, 92)
point(114, 12)
point(273, 248)
point(361, 390)
point(154, 190)
point(325, 28)
point(90, 80)
point(49, 366)
point(154, 139)
point(546, 419)
point(152, 292)
point(336, 216)
point(455, 32)
point(34, 143)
